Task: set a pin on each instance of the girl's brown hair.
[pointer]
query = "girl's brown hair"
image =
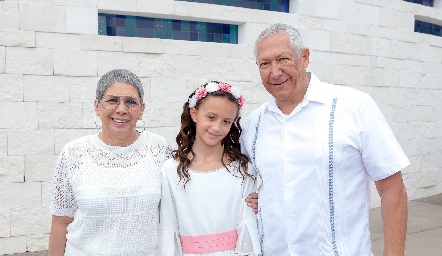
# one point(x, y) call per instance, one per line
point(186, 137)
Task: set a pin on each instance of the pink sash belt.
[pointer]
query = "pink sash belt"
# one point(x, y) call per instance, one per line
point(209, 243)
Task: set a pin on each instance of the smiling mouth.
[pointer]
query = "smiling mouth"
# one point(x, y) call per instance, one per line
point(213, 135)
point(119, 121)
point(275, 84)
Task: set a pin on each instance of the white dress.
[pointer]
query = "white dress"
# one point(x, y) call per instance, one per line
point(212, 202)
point(113, 194)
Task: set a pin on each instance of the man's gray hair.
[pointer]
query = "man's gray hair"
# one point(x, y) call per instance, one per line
point(279, 28)
point(118, 75)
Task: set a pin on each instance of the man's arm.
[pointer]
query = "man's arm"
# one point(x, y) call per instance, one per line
point(394, 213)
point(57, 238)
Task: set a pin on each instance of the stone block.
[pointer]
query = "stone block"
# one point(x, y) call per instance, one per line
point(12, 169)
point(108, 61)
point(37, 243)
point(10, 245)
point(324, 57)
point(75, 62)
point(327, 9)
point(20, 195)
point(24, 115)
point(154, 116)
point(57, 40)
point(435, 41)
point(354, 60)
point(179, 47)
point(90, 119)
point(39, 167)
point(3, 142)
point(157, 65)
point(60, 115)
point(81, 20)
point(427, 53)
point(169, 133)
point(10, 16)
point(395, 19)
point(396, 96)
point(2, 57)
point(63, 136)
point(404, 50)
point(30, 221)
point(46, 193)
point(347, 43)
point(411, 79)
point(38, 61)
point(359, 13)
point(144, 45)
point(384, 62)
point(381, 47)
point(169, 90)
point(334, 25)
point(46, 88)
point(277, 17)
point(152, 6)
point(173, 116)
point(431, 80)
point(121, 6)
point(5, 223)
point(146, 82)
point(189, 9)
point(310, 22)
point(78, 3)
point(12, 87)
point(101, 43)
point(242, 52)
point(53, 20)
point(318, 40)
point(214, 50)
point(428, 130)
point(23, 142)
point(17, 38)
point(423, 97)
point(82, 89)
point(338, 74)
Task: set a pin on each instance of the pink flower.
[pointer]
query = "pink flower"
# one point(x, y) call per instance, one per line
point(200, 92)
point(241, 101)
point(225, 87)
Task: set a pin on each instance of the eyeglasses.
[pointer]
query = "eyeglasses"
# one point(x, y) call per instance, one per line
point(110, 102)
point(281, 62)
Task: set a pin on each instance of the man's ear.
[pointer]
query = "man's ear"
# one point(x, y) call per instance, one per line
point(306, 57)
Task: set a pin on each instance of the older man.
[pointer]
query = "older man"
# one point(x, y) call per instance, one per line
point(316, 146)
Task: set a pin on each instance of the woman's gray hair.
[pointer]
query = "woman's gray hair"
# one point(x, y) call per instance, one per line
point(279, 28)
point(118, 75)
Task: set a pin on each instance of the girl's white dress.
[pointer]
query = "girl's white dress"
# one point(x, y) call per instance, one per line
point(113, 194)
point(212, 202)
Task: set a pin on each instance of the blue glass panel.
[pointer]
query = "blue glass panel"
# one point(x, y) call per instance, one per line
point(273, 5)
point(131, 26)
point(166, 28)
point(422, 2)
point(427, 28)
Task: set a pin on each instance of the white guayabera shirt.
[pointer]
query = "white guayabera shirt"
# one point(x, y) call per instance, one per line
point(316, 164)
point(113, 194)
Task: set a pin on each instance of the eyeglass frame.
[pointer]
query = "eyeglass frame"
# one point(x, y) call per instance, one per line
point(119, 101)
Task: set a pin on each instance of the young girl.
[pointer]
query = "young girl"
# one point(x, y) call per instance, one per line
point(203, 211)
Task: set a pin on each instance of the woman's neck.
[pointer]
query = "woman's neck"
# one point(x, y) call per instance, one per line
point(206, 157)
point(121, 141)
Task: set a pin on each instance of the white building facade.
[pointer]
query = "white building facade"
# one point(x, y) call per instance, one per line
point(51, 58)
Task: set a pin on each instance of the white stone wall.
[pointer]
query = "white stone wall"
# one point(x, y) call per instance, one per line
point(51, 59)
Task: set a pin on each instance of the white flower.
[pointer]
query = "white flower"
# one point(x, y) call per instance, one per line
point(236, 92)
point(192, 101)
point(212, 87)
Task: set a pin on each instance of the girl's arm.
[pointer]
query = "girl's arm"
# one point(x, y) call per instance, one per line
point(57, 238)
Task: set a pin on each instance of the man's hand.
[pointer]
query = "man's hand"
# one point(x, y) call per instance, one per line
point(252, 202)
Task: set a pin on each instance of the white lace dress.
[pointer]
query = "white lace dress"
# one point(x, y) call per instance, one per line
point(113, 194)
point(213, 202)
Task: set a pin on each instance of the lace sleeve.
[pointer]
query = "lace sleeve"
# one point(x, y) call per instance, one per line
point(62, 197)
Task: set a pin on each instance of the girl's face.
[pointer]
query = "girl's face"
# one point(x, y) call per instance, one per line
point(119, 110)
point(213, 120)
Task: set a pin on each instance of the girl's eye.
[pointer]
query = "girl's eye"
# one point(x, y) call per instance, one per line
point(211, 117)
point(227, 122)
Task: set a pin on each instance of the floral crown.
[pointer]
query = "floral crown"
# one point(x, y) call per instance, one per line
point(202, 91)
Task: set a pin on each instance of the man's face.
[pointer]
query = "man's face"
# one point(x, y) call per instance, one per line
point(282, 73)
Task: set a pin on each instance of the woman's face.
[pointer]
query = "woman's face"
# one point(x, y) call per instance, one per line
point(119, 110)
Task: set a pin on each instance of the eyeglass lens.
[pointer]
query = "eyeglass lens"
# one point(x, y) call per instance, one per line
point(110, 102)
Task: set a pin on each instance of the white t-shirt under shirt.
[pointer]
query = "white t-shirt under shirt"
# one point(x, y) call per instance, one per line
point(316, 164)
point(113, 194)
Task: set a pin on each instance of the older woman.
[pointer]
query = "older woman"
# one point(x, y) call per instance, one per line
point(106, 187)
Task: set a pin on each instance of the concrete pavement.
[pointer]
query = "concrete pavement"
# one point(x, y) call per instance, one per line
point(424, 234)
